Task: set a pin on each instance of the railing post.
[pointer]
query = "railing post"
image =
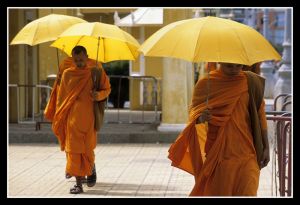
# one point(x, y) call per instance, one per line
point(289, 164)
point(155, 97)
point(119, 90)
point(144, 90)
point(143, 96)
point(33, 95)
point(284, 159)
point(33, 87)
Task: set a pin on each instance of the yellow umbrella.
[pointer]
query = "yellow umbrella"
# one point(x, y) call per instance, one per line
point(104, 42)
point(210, 39)
point(45, 29)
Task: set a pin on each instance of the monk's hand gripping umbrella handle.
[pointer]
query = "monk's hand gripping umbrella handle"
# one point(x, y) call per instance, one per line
point(204, 117)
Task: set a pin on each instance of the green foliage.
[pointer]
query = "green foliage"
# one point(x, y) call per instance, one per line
point(117, 68)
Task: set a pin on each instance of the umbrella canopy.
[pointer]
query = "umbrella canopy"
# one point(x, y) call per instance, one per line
point(45, 29)
point(104, 42)
point(210, 39)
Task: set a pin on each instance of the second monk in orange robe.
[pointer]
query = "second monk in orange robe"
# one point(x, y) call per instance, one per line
point(223, 158)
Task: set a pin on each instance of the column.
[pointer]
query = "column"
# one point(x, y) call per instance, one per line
point(251, 17)
point(177, 83)
point(267, 67)
point(283, 84)
point(177, 89)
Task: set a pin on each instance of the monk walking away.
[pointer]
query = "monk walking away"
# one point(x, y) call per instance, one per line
point(73, 118)
point(225, 143)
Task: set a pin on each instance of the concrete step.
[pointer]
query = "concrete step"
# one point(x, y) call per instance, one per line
point(110, 133)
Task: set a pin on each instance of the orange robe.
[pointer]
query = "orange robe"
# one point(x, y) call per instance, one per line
point(51, 105)
point(222, 158)
point(73, 122)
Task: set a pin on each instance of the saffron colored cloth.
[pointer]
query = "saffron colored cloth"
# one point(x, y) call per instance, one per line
point(73, 121)
point(221, 156)
point(67, 63)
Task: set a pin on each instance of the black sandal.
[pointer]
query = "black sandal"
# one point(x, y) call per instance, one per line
point(77, 189)
point(91, 180)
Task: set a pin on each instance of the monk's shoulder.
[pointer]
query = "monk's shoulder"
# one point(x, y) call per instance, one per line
point(253, 76)
point(67, 72)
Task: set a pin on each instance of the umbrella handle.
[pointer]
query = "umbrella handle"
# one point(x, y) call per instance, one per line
point(207, 88)
point(94, 79)
point(57, 59)
point(97, 51)
point(207, 95)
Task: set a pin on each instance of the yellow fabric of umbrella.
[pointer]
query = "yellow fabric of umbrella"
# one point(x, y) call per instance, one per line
point(45, 29)
point(114, 43)
point(210, 39)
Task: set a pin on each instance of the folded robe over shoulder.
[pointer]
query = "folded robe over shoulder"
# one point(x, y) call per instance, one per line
point(51, 105)
point(222, 159)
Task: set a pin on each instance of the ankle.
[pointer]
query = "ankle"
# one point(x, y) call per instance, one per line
point(79, 181)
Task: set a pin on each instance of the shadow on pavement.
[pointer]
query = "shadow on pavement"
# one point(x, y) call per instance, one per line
point(124, 189)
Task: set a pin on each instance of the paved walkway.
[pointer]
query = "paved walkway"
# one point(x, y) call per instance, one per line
point(124, 170)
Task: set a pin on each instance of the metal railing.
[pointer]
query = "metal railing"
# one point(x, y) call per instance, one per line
point(154, 102)
point(285, 97)
point(132, 116)
point(26, 118)
point(282, 149)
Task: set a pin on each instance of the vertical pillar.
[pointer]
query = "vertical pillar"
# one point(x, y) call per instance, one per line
point(176, 89)
point(251, 17)
point(177, 83)
point(142, 67)
point(267, 67)
point(283, 84)
point(142, 57)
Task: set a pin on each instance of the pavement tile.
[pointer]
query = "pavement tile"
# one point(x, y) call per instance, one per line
point(123, 170)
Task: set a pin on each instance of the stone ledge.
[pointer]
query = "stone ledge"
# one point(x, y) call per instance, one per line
point(151, 137)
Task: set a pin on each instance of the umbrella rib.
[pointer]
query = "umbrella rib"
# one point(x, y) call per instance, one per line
point(33, 36)
point(130, 50)
point(200, 30)
point(61, 25)
point(241, 44)
point(126, 42)
point(48, 27)
point(79, 40)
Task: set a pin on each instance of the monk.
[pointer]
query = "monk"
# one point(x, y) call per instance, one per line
point(51, 105)
point(225, 144)
point(73, 121)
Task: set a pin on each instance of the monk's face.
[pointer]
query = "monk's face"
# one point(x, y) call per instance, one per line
point(231, 69)
point(80, 59)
